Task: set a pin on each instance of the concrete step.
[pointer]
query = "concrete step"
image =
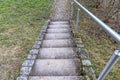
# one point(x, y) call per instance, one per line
point(58, 36)
point(56, 78)
point(58, 43)
point(56, 67)
point(57, 53)
point(59, 26)
point(59, 30)
point(59, 22)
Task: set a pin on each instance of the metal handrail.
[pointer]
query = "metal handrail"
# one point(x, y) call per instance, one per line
point(115, 57)
point(110, 31)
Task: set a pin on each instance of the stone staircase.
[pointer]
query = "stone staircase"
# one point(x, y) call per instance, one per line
point(56, 55)
point(57, 58)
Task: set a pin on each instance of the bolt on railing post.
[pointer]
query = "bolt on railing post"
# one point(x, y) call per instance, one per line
point(72, 10)
point(115, 57)
point(77, 19)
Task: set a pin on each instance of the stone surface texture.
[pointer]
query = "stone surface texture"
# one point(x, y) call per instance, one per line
point(57, 78)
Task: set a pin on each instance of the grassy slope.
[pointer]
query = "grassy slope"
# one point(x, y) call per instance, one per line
point(99, 45)
point(20, 24)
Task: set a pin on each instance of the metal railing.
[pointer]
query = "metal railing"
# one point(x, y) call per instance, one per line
point(115, 57)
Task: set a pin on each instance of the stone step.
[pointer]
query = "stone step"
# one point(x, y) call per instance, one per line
point(59, 30)
point(56, 67)
point(58, 43)
point(58, 36)
point(56, 78)
point(57, 53)
point(59, 26)
point(59, 22)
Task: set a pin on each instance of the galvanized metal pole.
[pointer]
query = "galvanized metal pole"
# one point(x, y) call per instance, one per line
point(72, 10)
point(77, 19)
point(115, 57)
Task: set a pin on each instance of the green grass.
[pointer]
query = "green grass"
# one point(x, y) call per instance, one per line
point(99, 45)
point(20, 24)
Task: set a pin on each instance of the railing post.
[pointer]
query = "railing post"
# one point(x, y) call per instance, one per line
point(77, 19)
point(72, 10)
point(115, 57)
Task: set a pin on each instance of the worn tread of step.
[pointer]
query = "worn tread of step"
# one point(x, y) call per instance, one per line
point(59, 30)
point(56, 67)
point(57, 53)
point(58, 36)
point(59, 26)
point(56, 78)
point(59, 22)
point(58, 43)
